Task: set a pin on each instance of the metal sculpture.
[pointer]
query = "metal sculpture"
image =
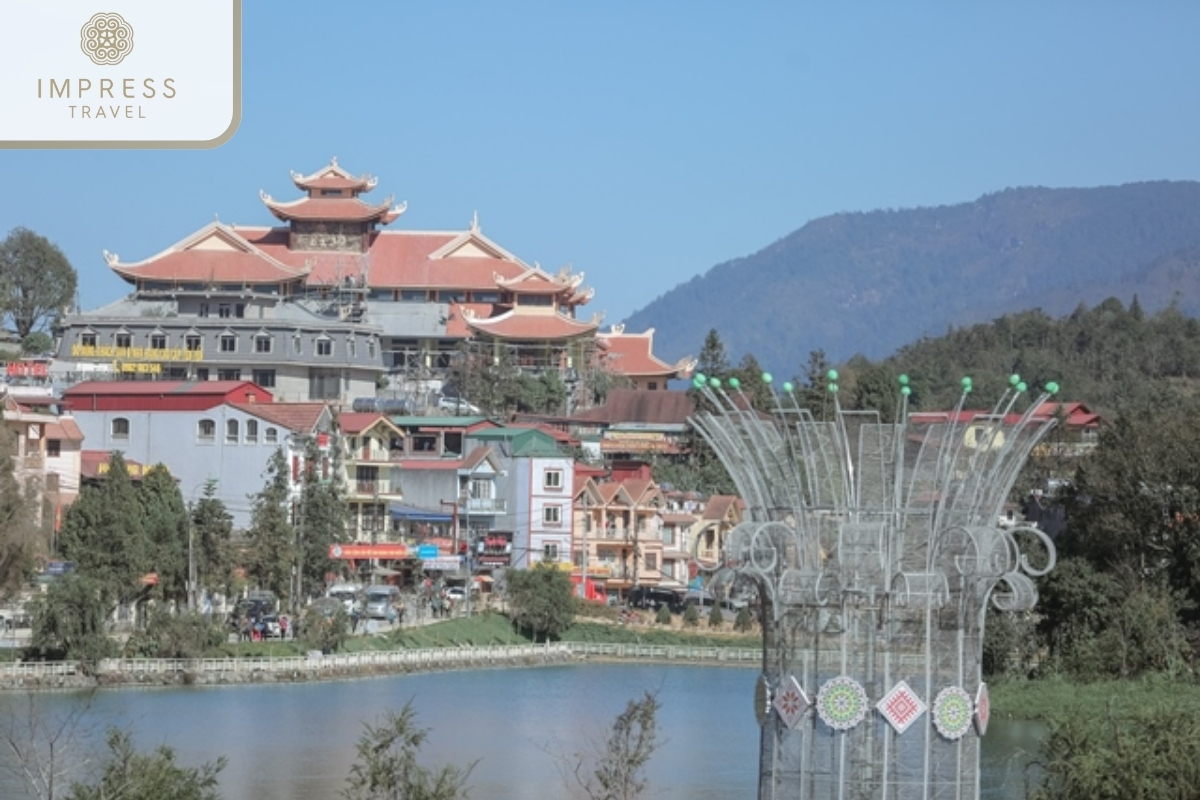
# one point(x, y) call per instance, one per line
point(875, 549)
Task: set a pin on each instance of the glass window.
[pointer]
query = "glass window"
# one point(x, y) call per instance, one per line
point(239, 310)
point(53, 448)
point(553, 480)
point(413, 296)
point(120, 428)
point(201, 373)
point(263, 343)
point(206, 430)
point(550, 551)
point(552, 515)
point(651, 560)
point(203, 310)
point(251, 431)
point(87, 339)
point(193, 342)
point(228, 343)
point(271, 436)
point(324, 347)
point(224, 310)
point(158, 341)
point(231, 431)
point(264, 378)
point(124, 340)
point(229, 374)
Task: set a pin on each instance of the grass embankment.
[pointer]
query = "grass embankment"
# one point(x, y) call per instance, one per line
point(494, 629)
point(1048, 697)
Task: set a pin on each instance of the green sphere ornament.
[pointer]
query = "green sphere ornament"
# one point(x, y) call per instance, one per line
point(714, 383)
point(832, 374)
point(966, 382)
point(1021, 387)
point(1014, 379)
point(700, 376)
point(1052, 387)
point(833, 388)
point(903, 379)
point(767, 377)
point(906, 390)
point(734, 383)
point(787, 387)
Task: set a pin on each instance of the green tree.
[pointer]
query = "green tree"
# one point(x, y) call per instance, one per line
point(663, 617)
point(812, 386)
point(691, 617)
point(715, 618)
point(19, 536)
point(37, 343)
point(270, 556)
point(165, 522)
point(389, 767)
point(70, 621)
point(213, 532)
point(167, 635)
point(750, 375)
point(104, 533)
point(129, 775)
point(744, 621)
point(38, 281)
point(541, 600)
point(713, 361)
point(321, 517)
point(324, 631)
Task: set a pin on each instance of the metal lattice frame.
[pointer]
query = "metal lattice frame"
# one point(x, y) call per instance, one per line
point(875, 550)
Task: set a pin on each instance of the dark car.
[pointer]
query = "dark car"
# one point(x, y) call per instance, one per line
point(654, 598)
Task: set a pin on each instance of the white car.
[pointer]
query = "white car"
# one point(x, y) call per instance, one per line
point(456, 405)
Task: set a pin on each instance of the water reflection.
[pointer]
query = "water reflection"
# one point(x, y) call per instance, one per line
point(296, 742)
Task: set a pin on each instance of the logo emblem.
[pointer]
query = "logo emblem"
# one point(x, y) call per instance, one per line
point(106, 38)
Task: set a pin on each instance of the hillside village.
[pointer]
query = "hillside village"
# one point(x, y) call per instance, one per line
point(469, 419)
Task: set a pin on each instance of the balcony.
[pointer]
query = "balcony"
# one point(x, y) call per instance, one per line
point(369, 488)
point(482, 505)
point(361, 456)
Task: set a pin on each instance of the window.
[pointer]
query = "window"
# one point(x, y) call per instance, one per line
point(535, 300)
point(485, 297)
point(263, 343)
point(87, 339)
point(158, 341)
point(229, 374)
point(120, 428)
point(228, 343)
point(231, 431)
point(251, 431)
point(224, 311)
point(651, 560)
point(264, 378)
point(53, 448)
point(124, 340)
point(553, 480)
point(193, 342)
point(239, 310)
point(413, 296)
point(552, 515)
point(206, 430)
point(201, 373)
point(272, 436)
point(550, 551)
point(652, 385)
point(203, 310)
point(324, 347)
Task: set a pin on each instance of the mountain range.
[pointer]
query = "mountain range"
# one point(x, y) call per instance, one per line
point(871, 282)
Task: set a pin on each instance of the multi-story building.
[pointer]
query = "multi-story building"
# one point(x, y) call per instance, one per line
point(47, 451)
point(224, 430)
point(621, 540)
point(324, 305)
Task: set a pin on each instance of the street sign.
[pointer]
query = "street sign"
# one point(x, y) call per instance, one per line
point(427, 552)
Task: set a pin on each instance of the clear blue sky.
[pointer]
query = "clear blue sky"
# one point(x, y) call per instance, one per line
point(644, 142)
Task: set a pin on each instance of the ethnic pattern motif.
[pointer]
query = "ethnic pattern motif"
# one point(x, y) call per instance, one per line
point(901, 707)
point(983, 709)
point(842, 703)
point(791, 702)
point(106, 38)
point(952, 712)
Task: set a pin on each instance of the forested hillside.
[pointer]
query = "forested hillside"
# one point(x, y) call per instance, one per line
point(872, 282)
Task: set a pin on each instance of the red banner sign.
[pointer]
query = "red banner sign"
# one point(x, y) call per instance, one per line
point(357, 551)
point(28, 369)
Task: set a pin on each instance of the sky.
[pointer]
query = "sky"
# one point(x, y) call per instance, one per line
point(645, 142)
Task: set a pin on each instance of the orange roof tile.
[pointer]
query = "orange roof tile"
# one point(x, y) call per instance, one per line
point(349, 209)
point(297, 417)
point(214, 254)
point(631, 354)
point(65, 429)
point(354, 422)
point(333, 176)
point(517, 325)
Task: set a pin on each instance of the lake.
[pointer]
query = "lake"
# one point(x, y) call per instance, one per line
point(296, 741)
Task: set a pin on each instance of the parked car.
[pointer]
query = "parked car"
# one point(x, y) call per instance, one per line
point(455, 593)
point(655, 598)
point(705, 601)
point(381, 601)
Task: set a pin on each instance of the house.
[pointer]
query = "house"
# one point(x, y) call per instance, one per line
point(372, 451)
point(202, 430)
point(46, 452)
point(620, 534)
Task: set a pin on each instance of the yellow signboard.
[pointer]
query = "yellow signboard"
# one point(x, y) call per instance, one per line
point(140, 368)
point(137, 353)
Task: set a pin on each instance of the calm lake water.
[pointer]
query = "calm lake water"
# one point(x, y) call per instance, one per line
point(296, 742)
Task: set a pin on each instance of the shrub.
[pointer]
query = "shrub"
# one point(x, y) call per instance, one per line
point(715, 618)
point(663, 617)
point(691, 617)
point(744, 620)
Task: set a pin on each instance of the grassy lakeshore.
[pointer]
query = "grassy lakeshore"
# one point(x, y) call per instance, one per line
point(1050, 697)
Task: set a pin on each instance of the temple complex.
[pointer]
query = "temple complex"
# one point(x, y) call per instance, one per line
point(332, 303)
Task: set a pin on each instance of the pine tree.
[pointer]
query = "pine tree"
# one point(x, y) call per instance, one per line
point(213, 532)
point(166, 527)
point(321, 519)
point(18, 534)
point(271, 555)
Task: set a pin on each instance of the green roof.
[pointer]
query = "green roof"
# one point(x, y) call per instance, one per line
point(525, 442)
point(437, 422)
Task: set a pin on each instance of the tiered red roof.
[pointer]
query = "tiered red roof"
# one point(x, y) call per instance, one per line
point(632, 354)
point(343, 209)
point(333, 177)
point(214, 254)
point(530, 325)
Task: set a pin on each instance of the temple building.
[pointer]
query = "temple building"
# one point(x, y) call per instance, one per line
point(332, 302)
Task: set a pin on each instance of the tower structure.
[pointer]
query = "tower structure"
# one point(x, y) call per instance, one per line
point(875, 550)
